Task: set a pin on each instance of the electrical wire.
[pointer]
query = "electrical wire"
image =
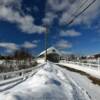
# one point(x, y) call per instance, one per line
point(80, 7)
point(74, 18)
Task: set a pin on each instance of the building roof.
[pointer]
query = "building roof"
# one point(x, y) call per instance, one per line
point(50, 50)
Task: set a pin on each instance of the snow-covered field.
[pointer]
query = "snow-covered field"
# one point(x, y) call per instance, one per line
point(49, 83)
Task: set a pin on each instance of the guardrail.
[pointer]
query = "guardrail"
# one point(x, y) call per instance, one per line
point(11, 79)
point(90, 65)
point(23, 72)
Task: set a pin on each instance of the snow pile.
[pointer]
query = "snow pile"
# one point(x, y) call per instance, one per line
point(49, 83)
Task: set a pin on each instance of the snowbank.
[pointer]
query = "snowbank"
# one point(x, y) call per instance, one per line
point(49, 83)
point(93, 90)
point(88, 70)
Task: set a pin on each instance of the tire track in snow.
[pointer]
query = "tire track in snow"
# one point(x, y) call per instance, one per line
point(78, 91)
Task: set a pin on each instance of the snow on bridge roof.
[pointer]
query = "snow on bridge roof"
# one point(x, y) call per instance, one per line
point(50, 50)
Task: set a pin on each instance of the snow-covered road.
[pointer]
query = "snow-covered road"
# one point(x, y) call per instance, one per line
point(84, 82)
point(49, 83)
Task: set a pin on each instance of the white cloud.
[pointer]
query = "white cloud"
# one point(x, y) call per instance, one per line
point(66, 52)
point(49, 16)
point(11, 3)
point(71, 33)
point(57, 5)
point(36, 41)
point(10, 10)
point(10, 46)
point(29, 45)
point(86, 18)
point(26, 24)
point(63, 44)
point(14, 46)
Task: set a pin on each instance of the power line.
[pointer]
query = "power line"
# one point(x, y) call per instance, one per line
point(80, 6)
point(71, 21)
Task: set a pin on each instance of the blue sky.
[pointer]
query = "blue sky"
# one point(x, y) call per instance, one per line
point(22, 24)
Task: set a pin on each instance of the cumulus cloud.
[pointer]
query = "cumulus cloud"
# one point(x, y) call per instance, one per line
point(26, 24)
point(57, 5)
point(71, 33)
point(63, 44)
point(29, 45)
point(10, 10)
point(49, 16)
point(66, 52)
point(15, 4)
point(35, 41)
point(66, 9)
point(10, 46)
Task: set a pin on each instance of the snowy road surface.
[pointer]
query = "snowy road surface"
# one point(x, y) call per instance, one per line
point(84, 82)
point(50, 83)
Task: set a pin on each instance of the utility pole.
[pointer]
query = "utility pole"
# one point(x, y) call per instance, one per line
point(70, 22)
point(46, 43)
